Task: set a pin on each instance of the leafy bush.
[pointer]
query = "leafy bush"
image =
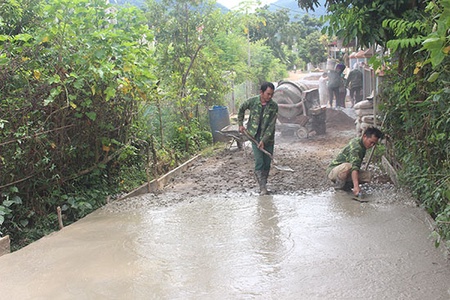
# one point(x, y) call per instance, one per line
point(418, 121)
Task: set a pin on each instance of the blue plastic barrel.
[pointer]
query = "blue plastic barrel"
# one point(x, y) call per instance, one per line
point(218, 119)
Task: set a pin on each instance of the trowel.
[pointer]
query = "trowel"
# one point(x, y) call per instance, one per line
point(275, 164)
point(359, 198)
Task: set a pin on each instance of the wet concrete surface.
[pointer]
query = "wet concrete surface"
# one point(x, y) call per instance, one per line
point(235, 246)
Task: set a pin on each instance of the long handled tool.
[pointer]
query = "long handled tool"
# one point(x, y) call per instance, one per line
point(275, 164)
point(359, 198)
point(373, 148)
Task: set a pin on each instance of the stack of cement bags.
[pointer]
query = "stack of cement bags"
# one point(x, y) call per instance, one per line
point(364, 116)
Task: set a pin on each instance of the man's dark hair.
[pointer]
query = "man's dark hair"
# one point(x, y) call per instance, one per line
point(373, 131)
point(266, 85)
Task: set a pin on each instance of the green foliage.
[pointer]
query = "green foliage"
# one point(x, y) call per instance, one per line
point(436, 43)
point(419, 124)
point(266, 67)
point(192, 53)
point(11, 202)
point(19, 16)
point(69, 89)
point(362, 19)
point(311, 49)
point(270, 28)
point(41, 227)
point(190, 139)
point(291, 42)
point(77, 205)
point(443, 221)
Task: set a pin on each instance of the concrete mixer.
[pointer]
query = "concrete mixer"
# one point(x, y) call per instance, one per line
point(299, 109)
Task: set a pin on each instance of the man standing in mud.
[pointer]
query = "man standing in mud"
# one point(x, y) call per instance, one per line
point(345, 170)
point(261, 126)
point(335, 84)
point(355, 83)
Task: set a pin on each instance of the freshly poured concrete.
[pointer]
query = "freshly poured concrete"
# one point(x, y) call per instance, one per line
point(238, 246)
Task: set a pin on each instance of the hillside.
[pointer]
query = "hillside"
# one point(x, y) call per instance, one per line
point(295, 11)
point(140, 3)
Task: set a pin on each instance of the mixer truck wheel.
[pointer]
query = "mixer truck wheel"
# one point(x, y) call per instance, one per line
point(302, 133)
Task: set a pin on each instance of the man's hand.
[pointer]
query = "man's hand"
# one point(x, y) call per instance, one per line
point(355, 179)
point(261, 145)
point(356, 190)
point(241, 129)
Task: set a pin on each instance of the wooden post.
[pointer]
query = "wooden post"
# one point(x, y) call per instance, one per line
point(60, 222)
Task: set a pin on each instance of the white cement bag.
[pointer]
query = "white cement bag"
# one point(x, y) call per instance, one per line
point(363, 104)
point(364, 112)
point(370, 119)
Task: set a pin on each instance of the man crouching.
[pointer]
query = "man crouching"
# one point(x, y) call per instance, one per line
point(345, 169)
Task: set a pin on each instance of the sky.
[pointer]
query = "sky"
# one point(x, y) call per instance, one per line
point(234, 3)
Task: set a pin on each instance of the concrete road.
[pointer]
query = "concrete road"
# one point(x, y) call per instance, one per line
point(311, 246)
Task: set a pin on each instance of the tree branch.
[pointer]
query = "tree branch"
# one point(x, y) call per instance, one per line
point(35, 135)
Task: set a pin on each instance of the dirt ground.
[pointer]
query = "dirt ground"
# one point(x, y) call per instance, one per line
point(230, 170)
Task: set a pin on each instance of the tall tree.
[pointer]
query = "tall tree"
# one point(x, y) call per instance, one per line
point(270, 30)
point(289, 40)
point(312, 49)
point(184, 43)
point(362, 19)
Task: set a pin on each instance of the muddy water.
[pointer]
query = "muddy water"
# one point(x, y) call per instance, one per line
point(323, 246)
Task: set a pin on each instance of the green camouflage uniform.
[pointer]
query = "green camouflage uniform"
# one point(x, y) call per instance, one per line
point(267, 129)
point(355, 83)
point(354, 79)
point(353, 153)
point(267, 122)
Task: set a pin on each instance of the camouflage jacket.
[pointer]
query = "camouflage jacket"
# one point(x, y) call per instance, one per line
point(354, 79)
point(353, 153)
point(267, 121)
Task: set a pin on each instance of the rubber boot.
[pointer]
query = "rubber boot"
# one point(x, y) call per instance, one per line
point(262, 184)
point(259, 178)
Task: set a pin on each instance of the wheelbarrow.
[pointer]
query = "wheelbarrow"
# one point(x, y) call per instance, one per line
point(232, 131)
